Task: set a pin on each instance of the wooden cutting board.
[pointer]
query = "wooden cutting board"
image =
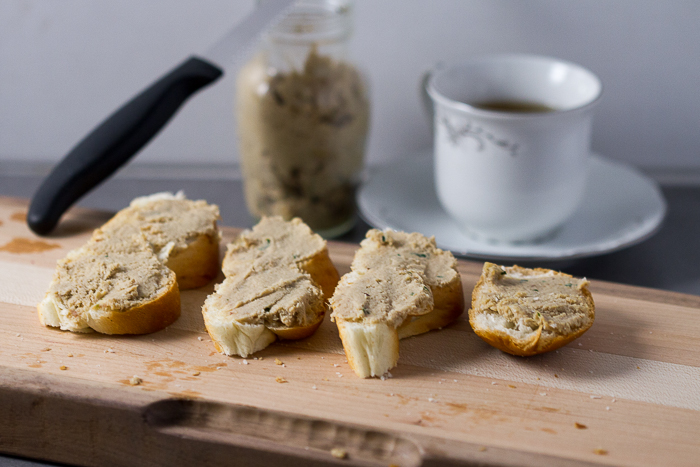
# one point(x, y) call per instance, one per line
point(625, 393)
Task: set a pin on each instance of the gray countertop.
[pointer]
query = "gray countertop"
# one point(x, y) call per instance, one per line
point(670, 260)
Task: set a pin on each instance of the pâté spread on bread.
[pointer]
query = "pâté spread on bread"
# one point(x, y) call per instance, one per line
point(121, 281)
point(526, 311)
point(400, 285)
point(278, 277)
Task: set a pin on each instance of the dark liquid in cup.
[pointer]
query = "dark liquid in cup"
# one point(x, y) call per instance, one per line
point(513, 106)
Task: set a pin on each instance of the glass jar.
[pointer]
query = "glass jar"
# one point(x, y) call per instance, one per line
point(303, 115)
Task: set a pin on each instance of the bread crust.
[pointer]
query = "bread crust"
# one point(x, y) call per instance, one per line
point(299, 332)
point(151, 316)
point(322, 272)
point(196, 265)
point(539, 342)
point(448, 306)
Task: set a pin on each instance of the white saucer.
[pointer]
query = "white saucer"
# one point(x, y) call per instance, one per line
point(622, 207)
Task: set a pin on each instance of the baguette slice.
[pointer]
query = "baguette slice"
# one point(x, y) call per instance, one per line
point(274, 242)
point(183, 234)
point(277, 277)
point(112, 285)
point(400, 285)
point(526, 312)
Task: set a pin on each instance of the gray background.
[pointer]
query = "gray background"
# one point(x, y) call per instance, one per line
point(65, 65)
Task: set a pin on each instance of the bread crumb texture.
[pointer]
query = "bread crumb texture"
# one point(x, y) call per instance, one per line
point(272, 287)
point(530, 311)
point(339, 453)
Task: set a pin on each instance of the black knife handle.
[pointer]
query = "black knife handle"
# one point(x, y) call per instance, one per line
point(115, 141)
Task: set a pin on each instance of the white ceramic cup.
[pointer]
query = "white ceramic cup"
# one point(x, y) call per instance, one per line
point(508, 176)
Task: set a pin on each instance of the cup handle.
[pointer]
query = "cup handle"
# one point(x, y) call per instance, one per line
point(425, 97)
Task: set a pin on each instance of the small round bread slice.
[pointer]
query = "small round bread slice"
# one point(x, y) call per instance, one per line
point(527, 312)
point(112, 285)
point(183, 234)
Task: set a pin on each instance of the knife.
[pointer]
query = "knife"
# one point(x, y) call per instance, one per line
point(118, 138)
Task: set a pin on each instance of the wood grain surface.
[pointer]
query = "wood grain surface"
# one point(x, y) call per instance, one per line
point(625, 393)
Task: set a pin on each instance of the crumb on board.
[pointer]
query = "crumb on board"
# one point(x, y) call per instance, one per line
point(482, 448)
point(278, 361)
point(196, 373)
point(279, 379)
point(70, 354)
point(339, 453)
point(580, 426)
point(511, 386)
point(135, 380)
point(46, 349)
point(63, 367)
point(600, 452)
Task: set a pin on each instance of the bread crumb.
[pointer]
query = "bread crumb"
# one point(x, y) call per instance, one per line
point(607, 408)
point(63, 367)
point(279, 379)
point(482, 448)
point(314, 387)
point(200, 338)
point(596, 397)
point(70, 354)
point(336, 365)
point(278, 361)
point(494, 383)
point(245, 362)
point(325, 379)
point(543, 394)
point(430, 399)
point(556, 375)
point(339, 453)
point(196, 373)
point(46, 349)
point(511, 386)
point(135, 380)
point(580, 426)
point(600, 452)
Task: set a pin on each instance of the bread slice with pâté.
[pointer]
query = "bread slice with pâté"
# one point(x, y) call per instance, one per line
point(112, 285)
point(400, 285)
point(526, 312)
point(278, 278)
point(183, 234)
